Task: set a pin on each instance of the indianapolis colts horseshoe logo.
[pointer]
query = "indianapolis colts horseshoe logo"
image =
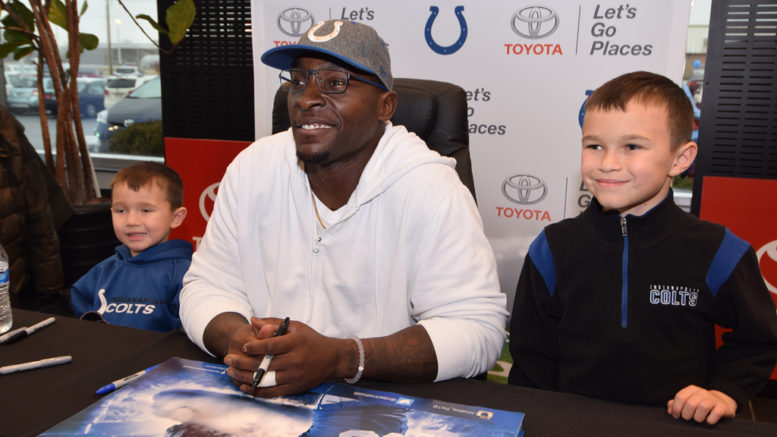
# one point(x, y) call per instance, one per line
point(103, 301)
point(453, 48)
point(315, 38)
point(581, 114)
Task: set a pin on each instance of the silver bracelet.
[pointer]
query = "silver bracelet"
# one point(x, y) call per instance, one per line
point(359, 372)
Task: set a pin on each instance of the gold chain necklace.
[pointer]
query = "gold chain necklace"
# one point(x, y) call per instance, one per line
point(315, 207)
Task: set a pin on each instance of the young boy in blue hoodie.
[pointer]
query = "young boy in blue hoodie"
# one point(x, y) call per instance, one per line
point(621, 301)
point(139, 285)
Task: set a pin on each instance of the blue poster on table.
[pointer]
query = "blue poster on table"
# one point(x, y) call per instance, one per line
point(183, 397)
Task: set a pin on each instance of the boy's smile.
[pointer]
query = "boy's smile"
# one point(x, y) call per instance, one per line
point(627, 159)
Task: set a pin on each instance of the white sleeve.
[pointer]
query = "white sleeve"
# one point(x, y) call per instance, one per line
point(455, 294)
point(214, 283)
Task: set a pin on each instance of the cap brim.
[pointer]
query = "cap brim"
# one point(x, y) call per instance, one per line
point(283, 56)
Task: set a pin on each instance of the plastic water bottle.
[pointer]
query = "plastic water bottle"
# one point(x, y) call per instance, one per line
point(6, 320)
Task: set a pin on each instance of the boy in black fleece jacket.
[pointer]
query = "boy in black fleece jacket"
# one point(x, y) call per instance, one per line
point(621, 301)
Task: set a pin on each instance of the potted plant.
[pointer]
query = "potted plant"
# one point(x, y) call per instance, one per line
point(27, 28)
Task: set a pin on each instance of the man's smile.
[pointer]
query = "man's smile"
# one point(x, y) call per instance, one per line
point(311, 126)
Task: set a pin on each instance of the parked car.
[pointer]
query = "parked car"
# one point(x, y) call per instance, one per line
point(116, 88)
point(141, 105)
point(89, 71)
point(22, 92)
point(91, 92)
point(20, 69)
point(127, 71)
point(12, 69)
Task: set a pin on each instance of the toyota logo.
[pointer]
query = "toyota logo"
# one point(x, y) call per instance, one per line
point(768, 264)
point(295, 21)
point(535, 22)
point(524, 189)
point(208, 200)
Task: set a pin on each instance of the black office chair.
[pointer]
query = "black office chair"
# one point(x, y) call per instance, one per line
point(435, 111)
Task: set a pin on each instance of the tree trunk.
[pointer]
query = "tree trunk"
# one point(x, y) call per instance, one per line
point(73, 168)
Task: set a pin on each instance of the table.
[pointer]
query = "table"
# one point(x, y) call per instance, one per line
point(35, 400)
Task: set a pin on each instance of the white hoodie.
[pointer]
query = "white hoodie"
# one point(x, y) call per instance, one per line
point(408, 248)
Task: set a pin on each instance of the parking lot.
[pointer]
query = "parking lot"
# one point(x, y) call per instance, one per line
point(32, 129)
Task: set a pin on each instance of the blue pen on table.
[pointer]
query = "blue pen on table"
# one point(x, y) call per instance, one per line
point(122, 382)
point(24, 331)
point(265, 364)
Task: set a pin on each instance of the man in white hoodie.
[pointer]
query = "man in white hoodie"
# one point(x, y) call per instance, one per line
point(351, 227)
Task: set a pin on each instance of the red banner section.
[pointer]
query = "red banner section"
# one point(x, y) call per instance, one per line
point(748, 208)
point(201, 165)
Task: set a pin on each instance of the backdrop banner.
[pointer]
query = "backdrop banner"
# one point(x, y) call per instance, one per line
point(527, 68)
point(723, 201)
point(200, 182)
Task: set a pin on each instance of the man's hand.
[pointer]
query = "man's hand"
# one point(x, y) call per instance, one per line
point(225, 337)
point(696, 403)
point(302, 358)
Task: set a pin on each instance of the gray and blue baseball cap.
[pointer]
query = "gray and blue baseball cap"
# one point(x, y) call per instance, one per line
point(356, 44)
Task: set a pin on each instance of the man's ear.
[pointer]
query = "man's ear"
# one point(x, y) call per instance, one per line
point(388, 104)
point(178, 215)
point(683, 158)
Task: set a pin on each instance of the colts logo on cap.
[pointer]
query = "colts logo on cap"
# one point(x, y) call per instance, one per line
point(312, 32)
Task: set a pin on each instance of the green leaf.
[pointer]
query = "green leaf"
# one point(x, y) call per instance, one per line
point(6, 49)
point(58, 13)
point(23, 12)
point(23, 51)
point(179, 16)
point(88, 41)
point(83, 9)
point(153, 23)
point(16, 37)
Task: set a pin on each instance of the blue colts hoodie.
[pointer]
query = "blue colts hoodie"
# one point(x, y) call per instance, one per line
point(140, 291)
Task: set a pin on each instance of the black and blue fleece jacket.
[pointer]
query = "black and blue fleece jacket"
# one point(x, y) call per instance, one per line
point(624, 308)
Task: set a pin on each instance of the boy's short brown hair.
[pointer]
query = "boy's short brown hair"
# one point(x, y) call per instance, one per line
point(144, 174)
point(646, 87)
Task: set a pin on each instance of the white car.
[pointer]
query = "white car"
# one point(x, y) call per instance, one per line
point(21, 92)
point(117, 87)
point(127, 71)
